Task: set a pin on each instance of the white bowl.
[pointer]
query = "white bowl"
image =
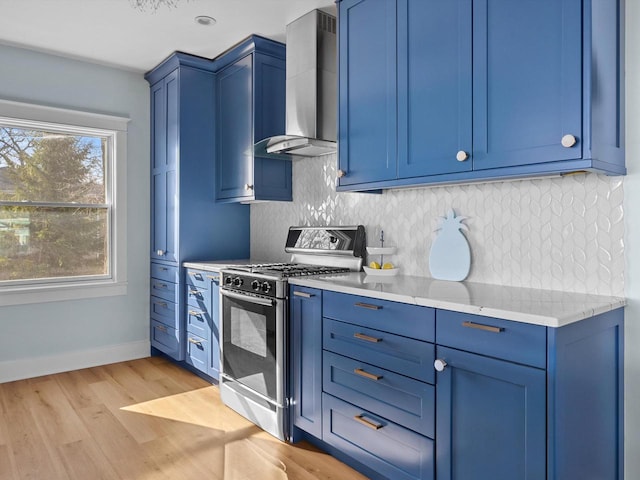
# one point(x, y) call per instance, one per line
point(381, 250)
point(384, 272)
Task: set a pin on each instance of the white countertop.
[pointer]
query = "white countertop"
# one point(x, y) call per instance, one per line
point(217, 265)
point(528, 305)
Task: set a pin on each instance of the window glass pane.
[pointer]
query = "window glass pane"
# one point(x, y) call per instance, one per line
point(39, 242)
point(41, 166)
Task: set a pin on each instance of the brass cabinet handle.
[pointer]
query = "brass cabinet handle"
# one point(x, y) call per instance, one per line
point(303, 294)
point(368, 305)
point(161, 328)
point(194, 341)
point(164, 269)
point(161, 304)
point(213, 277)
point(370, 376)
point(196, 274)
point(195, 293)
point(486, 328)
point(195, 313)
point(366, 338)
point(364, 421)
point(160, 286)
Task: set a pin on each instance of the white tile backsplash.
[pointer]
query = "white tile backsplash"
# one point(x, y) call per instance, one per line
point(563, 233)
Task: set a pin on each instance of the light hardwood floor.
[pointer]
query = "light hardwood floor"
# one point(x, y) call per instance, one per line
point(145, 419)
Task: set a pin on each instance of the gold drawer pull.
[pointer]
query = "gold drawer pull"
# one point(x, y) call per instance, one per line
point(161, 304)
point(368, 305)
point(160, 286)
point(161, 328)
point(194, 313)
point(364, 421)
point(195, 342)
point(486, 328)
point(195, 293)
point(370, 376)
point(213, 277)
point(164, 269)
point(303, 294)
point(366, 337)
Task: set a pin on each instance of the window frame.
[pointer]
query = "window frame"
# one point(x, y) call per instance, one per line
point(24, 115)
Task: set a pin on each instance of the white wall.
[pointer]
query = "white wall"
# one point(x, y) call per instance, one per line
point(40, 338)
point(632, 244)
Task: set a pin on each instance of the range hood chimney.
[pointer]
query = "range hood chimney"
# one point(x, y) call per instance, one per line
point(312, 86)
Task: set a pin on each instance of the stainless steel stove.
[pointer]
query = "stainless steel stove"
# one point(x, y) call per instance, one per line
point(254, 327)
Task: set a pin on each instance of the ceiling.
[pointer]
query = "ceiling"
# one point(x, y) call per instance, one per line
point(113, 32)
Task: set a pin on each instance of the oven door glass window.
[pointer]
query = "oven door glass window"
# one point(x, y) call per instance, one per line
point(249, 344)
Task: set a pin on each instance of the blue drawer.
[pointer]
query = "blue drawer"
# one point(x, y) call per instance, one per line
point(199, 278)
point(165, 272)
point(198, 297)
point(166, 339)
point(198, 321)
point(198, 353)
point(400, 318)
point(389, 449)
point(165, 311)
point(165, 289)
point(404, 355)
point(518, 342)
point(395, 397)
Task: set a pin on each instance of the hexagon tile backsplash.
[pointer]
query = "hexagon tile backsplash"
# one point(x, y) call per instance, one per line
point(562, 233)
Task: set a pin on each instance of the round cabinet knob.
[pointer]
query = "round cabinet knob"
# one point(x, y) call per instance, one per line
point(568, 141)
point(461, 156)
point(248, 187)
point(439, 365)
point(342, 173)
point(160, 253)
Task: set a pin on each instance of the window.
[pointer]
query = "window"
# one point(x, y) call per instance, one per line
point(61, 204)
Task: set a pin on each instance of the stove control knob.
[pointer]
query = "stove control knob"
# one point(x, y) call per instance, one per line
point(255, 285)
point(266, 287)
point(238, 281)
point(228, 280)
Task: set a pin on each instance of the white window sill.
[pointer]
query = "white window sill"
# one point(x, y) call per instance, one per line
point(54, 293)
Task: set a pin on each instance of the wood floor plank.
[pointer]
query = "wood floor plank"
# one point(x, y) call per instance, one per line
point(142, 420)
point(54, 415)
point(30, 450)
point(7, 465)
point(84, 460)
point(115, 398)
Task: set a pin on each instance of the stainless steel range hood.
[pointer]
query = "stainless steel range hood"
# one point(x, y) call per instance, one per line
point(311, 90)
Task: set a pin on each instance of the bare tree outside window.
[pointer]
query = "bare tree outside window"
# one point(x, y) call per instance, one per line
point(54, 211)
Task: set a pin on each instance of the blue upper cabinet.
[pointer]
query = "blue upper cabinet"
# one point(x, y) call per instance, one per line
point(367, 85)
point(471, 90)
point(434, 87)
point(250, 105)
point(527, 76)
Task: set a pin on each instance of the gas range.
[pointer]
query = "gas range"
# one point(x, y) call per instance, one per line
point(254, 320)
point(315, 251)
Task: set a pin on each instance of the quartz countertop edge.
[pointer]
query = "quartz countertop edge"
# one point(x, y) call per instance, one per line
point(527, 305)
point(216, 265)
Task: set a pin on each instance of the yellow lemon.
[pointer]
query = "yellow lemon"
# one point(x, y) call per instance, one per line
point(387, 266)
point(374, 265)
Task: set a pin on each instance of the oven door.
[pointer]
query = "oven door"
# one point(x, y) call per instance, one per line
point(252, 343)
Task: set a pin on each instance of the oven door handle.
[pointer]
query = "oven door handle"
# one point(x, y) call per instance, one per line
point(267, 302)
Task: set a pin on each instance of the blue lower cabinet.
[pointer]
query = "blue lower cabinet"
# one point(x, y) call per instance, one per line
point(306, 359)
point(491, 419)
point(198, 352)
point(166, 339)
point(403, 400)
point(389, 449)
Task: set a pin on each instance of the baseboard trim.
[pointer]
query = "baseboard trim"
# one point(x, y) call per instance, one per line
point(38, 366)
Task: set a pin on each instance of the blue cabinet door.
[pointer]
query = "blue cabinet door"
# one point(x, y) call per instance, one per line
point(434, 87)
point(214, 363)
point(367, 89)
point(234, 106)
point(164, 180)
point(490, 420)
point(527, 93)
point(306, 359)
